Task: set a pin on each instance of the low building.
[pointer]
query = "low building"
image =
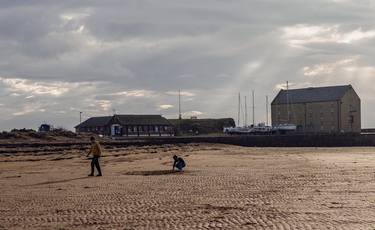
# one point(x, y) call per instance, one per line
point(127, 125)
point(334, 109)
point(195, 126)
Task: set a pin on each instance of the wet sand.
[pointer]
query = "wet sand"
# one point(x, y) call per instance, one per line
point(223, 187)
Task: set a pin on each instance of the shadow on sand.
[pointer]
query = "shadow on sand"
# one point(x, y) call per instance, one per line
point(151, 173)
point(58, 181)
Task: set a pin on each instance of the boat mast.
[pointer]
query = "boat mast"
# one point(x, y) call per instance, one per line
point(267, 110)
point(239, 109)
point(179, 105)
point(253, 109)
point(245, 111)
point(287, 101)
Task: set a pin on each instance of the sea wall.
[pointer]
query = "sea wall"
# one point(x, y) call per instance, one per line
point(250, 141)
point(262, 141)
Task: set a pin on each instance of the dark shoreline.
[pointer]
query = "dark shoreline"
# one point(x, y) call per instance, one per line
point(347, 140)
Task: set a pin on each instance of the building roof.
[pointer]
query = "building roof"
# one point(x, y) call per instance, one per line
point(125, 120)
point(95, 122)
point(142, 120)
point(312, 94)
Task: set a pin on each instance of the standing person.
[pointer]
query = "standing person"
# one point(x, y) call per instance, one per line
point(96, 152)
point(179, 163)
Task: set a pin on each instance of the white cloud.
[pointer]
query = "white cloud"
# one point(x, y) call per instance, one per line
point(23, 86)
point(302, 34)
point(15, 94)
point(292, 85)
point(23, 112)
point(249, 68)
point(166, 106)
point(182, 93)
point(104, 105)
point(356, 35)
point(68, 16)
point(188, 76)
point(134, 93)
point(192, 113)
point(329, 68)
point(29, 108)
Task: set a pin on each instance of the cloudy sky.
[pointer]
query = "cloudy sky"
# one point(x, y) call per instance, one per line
point(60, 58)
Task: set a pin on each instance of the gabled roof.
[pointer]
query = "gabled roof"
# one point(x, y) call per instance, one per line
point(125, 120)
point(312, 94)
point(95, 122)
point(142, 120)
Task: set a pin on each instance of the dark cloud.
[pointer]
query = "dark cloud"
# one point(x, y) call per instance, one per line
point(60, 58)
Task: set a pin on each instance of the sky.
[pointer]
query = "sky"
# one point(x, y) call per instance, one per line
point(60, 58)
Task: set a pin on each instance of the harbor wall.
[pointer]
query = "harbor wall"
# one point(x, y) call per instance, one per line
point(250, 141)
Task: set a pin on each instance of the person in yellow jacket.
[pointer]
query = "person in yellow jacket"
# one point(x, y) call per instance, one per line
point(96, 152)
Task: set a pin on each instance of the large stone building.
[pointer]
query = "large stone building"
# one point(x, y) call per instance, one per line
point(334, 109)
point(127, 125)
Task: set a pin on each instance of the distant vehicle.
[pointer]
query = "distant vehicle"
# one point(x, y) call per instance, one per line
point(260, 129)
point(43, 128)
point(236, 130)
point(284, 128)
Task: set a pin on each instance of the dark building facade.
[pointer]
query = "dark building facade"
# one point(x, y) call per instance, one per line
point(127, 125)
point(332, 109)
point(201, 126)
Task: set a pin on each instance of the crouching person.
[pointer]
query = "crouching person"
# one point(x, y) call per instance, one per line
point(96, 152)
point(179, 163)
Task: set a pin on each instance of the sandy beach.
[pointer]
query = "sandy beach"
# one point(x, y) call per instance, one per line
point(223, 187)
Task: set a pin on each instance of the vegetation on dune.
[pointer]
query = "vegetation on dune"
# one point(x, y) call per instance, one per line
point(33, 134)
